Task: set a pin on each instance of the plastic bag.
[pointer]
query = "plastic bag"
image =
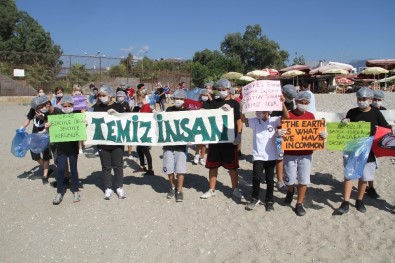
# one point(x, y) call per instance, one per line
point(355, 155)
point(194, 94)
point(151, 100)
point(36, 142)
point(16, 146)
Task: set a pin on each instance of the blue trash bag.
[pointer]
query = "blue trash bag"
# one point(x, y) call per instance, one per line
point(355, 155)
point(16, 146)
point(194, 94)
point(36, 142)
point(151, 99)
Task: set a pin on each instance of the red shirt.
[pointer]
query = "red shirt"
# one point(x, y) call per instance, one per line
point(146, 108)
point(305, 116)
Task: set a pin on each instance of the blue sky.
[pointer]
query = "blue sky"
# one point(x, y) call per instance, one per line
point(336, 30)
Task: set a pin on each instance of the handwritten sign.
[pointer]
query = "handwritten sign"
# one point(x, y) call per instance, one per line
point(67, 127)
point(79, 102)
point(303, 134)
point(262, 95)
point(167, 128)
point(339, 134)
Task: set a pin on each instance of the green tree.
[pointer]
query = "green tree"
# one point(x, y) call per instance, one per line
point(79, 74)
point(298, 60)
point(254, 49)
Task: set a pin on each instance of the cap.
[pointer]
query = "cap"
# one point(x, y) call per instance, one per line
point(67, 99)
point(204, 92)
point(121, 93)
point(303, 95)
point(224, 83)
point(378, 94)
point(37, 101)
point(365, 92)
point(106, 90)
point(289, 90)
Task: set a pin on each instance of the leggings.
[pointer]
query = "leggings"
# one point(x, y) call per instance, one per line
point(144, 151)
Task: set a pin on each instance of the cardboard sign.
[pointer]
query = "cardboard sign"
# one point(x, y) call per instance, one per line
point(79, 102)
point(339, 134)
point(303, 135)
point(262, 95)
point(164, 128)
point(67, 127)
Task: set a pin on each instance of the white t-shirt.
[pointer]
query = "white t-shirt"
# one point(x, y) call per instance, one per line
point(311, 106)
point(264, 138)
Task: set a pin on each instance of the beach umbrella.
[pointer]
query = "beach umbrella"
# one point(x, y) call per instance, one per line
point(335, 71)
point(247, 78)
point(271, 71)
point(374, 71)
point(296, 67)
point(385, 80)
point(292, 73)
point(231, 75)
point(258, 73)
point(344, 81)
point(321, 69)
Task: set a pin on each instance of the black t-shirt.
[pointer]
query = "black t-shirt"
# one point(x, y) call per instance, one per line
point(125, 106)
point(374, 116)
point(381, 107)
point(161, 91)
point(288, 105)
point(68, 148)
point(100, 107)
point(178, 148)
point(218, 103)
point(38, 121)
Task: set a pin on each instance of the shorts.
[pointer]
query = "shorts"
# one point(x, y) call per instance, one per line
point(222, 154)
point(297, 167)
point(174, 162)
point(369, 171)
point(45, 155)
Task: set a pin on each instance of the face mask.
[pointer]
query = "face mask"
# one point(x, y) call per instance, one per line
point(41, 94)
point(302, 107)
point(223, 94)
point(259, 115)
point(363, 104)
point(204, 98)
point(377, 104)
point(68, 110)
point(44, 110)
point(120, 99)
point(104, 100)
point(60, 95)
point(178, 103)
point(77, 94)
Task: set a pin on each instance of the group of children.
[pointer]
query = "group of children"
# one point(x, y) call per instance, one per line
point(293, 168)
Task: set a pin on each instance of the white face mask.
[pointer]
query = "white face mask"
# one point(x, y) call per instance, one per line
point(41, 94)
point(77, 94)
point(223, 94)
point(204, 98)
point(44, 110)
point(104, 100)
point(363, 104)
point(59, 95)
point(302, 107)
point(377, 104)
point(120, 99)
point(178, 103)
point(68, 110)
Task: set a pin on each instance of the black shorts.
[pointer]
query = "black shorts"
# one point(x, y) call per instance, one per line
point(46, 155)
point(222, 154)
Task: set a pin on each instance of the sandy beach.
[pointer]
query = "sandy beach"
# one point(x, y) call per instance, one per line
point(147, 227)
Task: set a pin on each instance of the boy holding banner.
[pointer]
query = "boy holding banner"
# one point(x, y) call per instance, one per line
point(364, 112)
point(264, 153)
point(297, 163)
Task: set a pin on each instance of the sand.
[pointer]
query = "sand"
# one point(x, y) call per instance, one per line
point(147, 227)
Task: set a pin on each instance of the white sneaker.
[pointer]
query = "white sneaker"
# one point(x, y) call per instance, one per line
point(208, 194)
point(121, 193)
point(238, 194)
point(202, 162)
point(80, 151)
point(107, 194)
point(196, 159)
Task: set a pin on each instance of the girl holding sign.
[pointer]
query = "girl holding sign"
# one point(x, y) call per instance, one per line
point(297, 163)
point(264, 153)
point(66, 153)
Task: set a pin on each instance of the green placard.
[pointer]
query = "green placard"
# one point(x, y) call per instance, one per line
point(67, 127)
point(339, 134)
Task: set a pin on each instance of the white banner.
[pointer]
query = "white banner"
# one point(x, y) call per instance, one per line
point(166, 128)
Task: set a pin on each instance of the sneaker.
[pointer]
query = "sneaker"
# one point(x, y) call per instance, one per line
point(107, 194)
point(171, 193)
point(149, 173)
point(196, 159)
point(289, 197)
point(121, 193)
point(344, 207)
point(179, 197)
point(77, 197)
point(97, 153)
point(238, 194)
point(80, 151)
point(371, 192)
point(44, 180)
point(202, 162)
point(299, 210)
point(58, 198)
point(281, 187)
point(269, 206)
point(252, 204)
point(360, 206)
point(208, 194)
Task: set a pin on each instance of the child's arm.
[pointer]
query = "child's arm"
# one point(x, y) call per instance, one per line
point(285, 110)
point(244, 119)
